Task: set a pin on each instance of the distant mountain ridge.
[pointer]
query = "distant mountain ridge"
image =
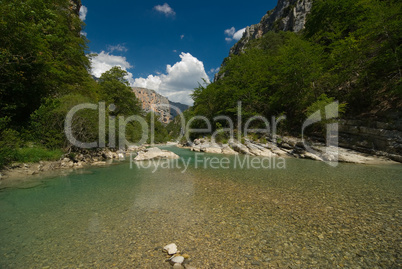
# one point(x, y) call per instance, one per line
point(180, 106)
point(162, 105)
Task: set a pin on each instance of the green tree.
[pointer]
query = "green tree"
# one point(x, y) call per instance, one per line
point(42, 54)
point(114, 89)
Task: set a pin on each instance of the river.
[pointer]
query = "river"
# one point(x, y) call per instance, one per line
point(303, 214)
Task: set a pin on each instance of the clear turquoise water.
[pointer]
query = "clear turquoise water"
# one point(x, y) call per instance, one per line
point(309, 215)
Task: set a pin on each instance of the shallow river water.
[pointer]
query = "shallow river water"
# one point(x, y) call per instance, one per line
point(304, 215)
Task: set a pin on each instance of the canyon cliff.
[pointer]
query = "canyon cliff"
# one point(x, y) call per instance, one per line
point(288, 15)
point(153, 101)
point(376, 130)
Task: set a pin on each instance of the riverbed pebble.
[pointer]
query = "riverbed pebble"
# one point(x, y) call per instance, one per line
point(177, 259)
point(218, 218)
point(171, 248)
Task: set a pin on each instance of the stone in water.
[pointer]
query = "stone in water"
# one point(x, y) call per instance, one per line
point(177, 259)
point(171, 249)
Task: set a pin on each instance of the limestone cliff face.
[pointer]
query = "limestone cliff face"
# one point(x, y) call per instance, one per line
point(288, 15)
point(161, 105)
point(374, 136)
point(153, 101)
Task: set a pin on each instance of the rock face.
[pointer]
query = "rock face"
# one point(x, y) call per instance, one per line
point(153, 101)
point(288, 15)
point(382, 138)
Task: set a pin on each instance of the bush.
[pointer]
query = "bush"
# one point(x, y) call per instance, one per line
point(9, 142)
point(36, 154)
point(47, 122)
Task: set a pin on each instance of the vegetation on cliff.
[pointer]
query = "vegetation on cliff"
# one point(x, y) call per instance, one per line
point(349, 51)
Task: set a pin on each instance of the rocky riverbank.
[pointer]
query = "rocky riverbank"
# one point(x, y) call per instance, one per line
point(69, 161)
point(284, 147)
point(287, 147)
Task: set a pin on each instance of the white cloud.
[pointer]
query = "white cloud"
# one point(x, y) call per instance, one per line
point(214, 70)
point(175, 51)
point(166, 9)
point(104, 61)
point(182, 36)
point(232, 34)
point(230, 31)
point(238, 35)
point(179, 81)
point(118, 47)
point(83, 12)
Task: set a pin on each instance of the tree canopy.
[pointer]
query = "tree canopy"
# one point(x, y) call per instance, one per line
point(349, 51)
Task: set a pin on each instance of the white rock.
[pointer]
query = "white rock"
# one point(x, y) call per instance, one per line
point(240, 148)
point(212, 149)
point(228, 150)
point(196, 148)
point(121, 156)
point(177, 259)
point(178, 266)
point(99, 163)
point(171, 248)
point(152, 153)
point(309, 155)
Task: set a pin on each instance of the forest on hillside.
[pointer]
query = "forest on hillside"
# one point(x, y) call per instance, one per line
point(350, 50)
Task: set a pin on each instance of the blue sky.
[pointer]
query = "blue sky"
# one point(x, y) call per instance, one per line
point(168, 46)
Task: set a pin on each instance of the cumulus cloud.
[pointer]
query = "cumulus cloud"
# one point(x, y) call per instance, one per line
point(232, 34)
point(104, 61)
point(179, 81)
point(230, 31)
point(214, 70)
point(83, 12)
point(165, 9)
point(238, 35)
point(118, 47)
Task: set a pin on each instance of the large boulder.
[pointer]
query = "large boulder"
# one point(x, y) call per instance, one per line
point(228, 150)
point(258, 150)
point(211, 148)
point(240, 148)
point(154, 153)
